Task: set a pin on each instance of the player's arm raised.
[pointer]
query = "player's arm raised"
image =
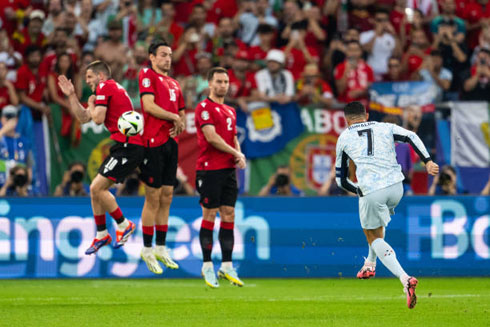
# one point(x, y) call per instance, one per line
point(66, 86)
point(403, 135)
point(217, 141)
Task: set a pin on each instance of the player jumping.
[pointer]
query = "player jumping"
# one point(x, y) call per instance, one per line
point(371, 146)
point(106, 106)
point(163, 108)
point(219, 153)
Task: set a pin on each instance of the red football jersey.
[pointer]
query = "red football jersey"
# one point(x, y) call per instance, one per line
point(168, 96)
point(32, 85)
point(239, 88)
point(113, 96)
point(223, 118)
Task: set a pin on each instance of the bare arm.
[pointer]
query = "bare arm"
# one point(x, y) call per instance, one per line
point(83, 115)
point(153, 109)
point(217, 141)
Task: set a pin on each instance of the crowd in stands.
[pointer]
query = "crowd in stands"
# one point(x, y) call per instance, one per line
point(309, 51)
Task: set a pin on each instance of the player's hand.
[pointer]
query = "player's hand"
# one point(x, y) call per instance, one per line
point(432, 168)
point(66, 85)
point(91, 100)
point(241, 161)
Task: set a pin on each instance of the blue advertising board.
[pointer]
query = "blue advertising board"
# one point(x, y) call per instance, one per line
point(274, 237)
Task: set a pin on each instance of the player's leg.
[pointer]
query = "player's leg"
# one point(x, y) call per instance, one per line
point(161, 251)
point(150, 209)
point(102, 237)
point(209, 188)
point(169, 174)
point(368, 270)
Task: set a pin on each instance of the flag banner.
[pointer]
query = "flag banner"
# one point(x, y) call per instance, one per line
point(309, 155)
point(267, 128)
point(470, 134)
point(390, 98)
point(91, 149)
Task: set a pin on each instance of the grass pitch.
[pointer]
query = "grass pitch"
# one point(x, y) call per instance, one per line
point(262, 302)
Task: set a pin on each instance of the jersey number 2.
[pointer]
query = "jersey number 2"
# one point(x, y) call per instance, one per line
point(369, 134)
point(228, 123)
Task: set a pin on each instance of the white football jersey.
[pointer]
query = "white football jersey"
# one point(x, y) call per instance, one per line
point(371, 145)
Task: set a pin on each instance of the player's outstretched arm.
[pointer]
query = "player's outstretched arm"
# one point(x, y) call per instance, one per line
point(403, 135)
point(66, 86)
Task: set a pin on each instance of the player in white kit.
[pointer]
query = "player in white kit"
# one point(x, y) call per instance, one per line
point(371, 146)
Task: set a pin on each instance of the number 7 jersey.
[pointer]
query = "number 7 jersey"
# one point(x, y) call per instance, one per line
point(223, 118)
point(371, 145)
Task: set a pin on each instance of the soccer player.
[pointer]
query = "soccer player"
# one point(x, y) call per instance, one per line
point(371, 146)
point(106, 106)
point(163, 109)
point(219, 154)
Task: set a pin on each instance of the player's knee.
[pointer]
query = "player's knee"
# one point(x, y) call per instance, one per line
point(166, 196)
point(94, 190)
point(152, 198)
point(228, 215)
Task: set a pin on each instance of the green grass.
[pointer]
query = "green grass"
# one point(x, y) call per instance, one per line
point(262, 302)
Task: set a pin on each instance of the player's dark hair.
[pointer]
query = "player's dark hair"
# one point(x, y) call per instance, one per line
point(216, 70)
point(152, 49)
point(354, 109)
point(99, 66)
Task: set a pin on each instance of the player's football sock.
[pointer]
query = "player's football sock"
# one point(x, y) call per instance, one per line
point(206, 239)
point(161, 234)
point(101, 234)
point(387, 256)
point(162, 255)
point(147, 236)
point(371, 256)
point(100, 222)
point(119, 218)
point(226, 240)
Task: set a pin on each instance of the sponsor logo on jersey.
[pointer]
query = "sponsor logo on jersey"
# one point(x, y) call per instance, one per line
point(100, 97)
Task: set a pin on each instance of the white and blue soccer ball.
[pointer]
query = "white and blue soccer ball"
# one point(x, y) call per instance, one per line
point(130, 123)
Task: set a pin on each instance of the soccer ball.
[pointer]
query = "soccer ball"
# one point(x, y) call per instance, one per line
point(130, 123)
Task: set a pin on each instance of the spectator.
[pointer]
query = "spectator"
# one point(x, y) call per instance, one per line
point(148, 16)
point(298, 54)
point(31, 84)
point(184, 57)
point(316, 35)
point(14, 148)
point(259, 52)
point(113, 51)
point(9, 56)
point(250, 16)
point(30, 35)
point(280, 184)
point(167, 28)
point(475, 14)
point(432, 71)
point(452, 47)
point(336, 52)
point(203, 29)
point(311, 89)
point(103, 9)
point(17, 183)
point(195, 87)
point(243, 88)
point(224, 35)
point(137, 61)
point(7, 89)
point(55, 17)
point(86, 91)
point(380, 43)
point(64, 66)
point(428, 8)
point(128, 16)
point(483, 42)
point(395, 71)
point(275, 83)
point(291, 14)
point(130, 187)
point(418, 50)
point(72, 183)
point(354, 76)
point(446, 183)
point(448, 16)
point(477, 86)
point(412, 117)
point(360, 15)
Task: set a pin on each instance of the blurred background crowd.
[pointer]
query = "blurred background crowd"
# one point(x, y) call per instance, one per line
point(309, 52)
